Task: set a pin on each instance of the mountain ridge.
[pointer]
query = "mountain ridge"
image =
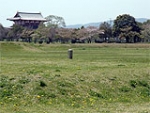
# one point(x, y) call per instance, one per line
point(97, 24)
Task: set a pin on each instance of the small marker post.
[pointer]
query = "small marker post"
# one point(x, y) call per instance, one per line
point(70, 53)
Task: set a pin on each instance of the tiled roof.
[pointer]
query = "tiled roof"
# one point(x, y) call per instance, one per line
point(27, 16)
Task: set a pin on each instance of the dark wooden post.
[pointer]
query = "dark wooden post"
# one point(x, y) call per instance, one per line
point(70, 53)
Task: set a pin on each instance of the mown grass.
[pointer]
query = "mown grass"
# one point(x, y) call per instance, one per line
point(100, 78)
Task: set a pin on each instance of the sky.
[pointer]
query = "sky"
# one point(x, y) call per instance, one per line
point(76, 11)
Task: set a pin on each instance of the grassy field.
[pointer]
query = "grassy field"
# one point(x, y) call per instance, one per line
point(101, 78)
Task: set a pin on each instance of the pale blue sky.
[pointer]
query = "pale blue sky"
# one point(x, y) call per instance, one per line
point(76, 11)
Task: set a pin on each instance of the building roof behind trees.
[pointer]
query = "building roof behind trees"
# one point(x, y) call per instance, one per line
point(28, 16)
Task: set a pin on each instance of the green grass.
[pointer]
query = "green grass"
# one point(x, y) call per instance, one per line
point(101, 78)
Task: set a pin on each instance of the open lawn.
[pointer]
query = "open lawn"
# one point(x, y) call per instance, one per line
point(101, 78)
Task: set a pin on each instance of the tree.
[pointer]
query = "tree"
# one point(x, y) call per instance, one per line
point(85, 34)
point(55, 21)
point(43, 34)
point(27, 35)
point(146, 31)
point(63, 35)
point(92, 32)
point(3, 32)
point(15, 32)
point(40, 34)
point(125, 27)
point(106, 27)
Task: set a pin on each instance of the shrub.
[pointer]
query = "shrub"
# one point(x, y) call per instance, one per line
point(125, 89)
point(143, 83)
point(145, 92)
point(24, 81)
point(96, 94)
point(42, 84)
point(133, 83)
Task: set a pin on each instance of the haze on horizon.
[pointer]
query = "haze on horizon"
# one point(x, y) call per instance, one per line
point(76, 11)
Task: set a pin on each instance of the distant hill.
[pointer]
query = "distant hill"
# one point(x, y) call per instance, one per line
point(97, 24)
point(141, 20)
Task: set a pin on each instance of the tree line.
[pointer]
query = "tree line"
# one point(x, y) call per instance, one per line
point(125, 29)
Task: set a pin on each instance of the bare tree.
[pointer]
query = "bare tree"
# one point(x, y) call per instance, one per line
point(55, 21)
